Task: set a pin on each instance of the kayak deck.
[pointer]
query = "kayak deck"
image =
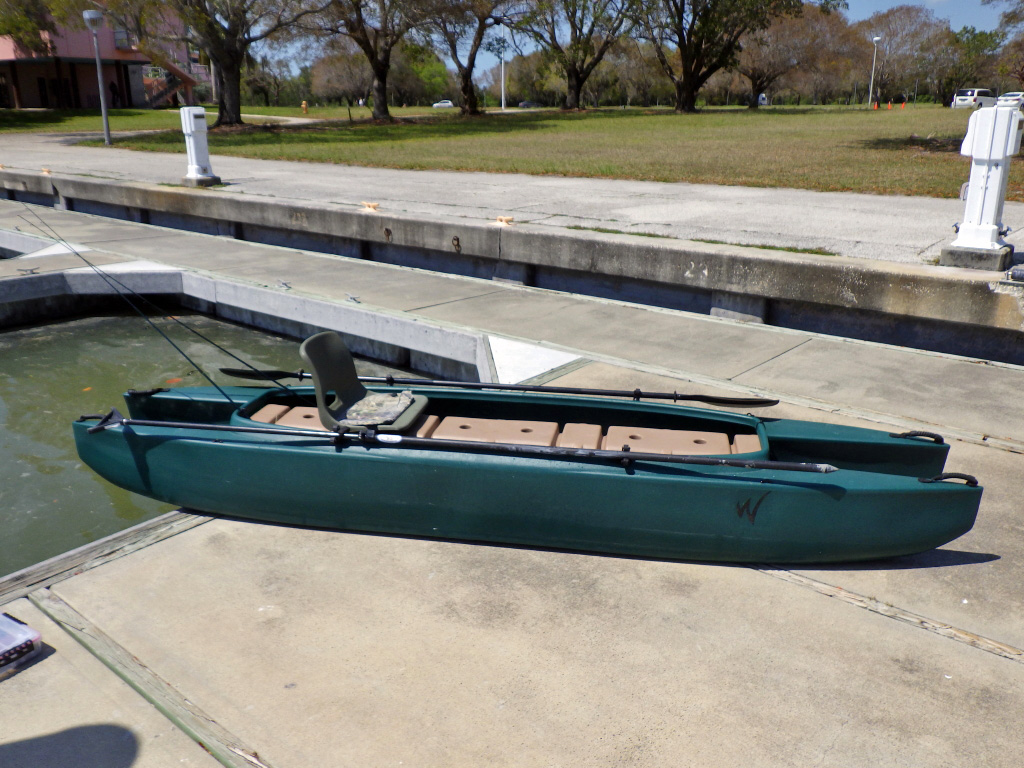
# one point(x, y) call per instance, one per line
point(675, 442)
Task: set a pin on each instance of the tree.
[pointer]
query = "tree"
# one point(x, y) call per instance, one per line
point(770, 53)
point(23, 21)
point(268, 78)
point(1011, 60)
point(960, 59)
point(693, 39)
point(224, 29)
point(529, 78)
point(376, 27)
point(344, 75)
point(460, 26)
point(1013, 16)
point(576, 34)
point(913, 44)
point(836, 59)
point(638, 70)
point(974, 54)
point(417, 74)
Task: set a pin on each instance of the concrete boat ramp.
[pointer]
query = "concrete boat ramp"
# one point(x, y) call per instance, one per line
point(189, 641)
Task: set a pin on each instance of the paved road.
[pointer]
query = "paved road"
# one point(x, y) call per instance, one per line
point(906, 229)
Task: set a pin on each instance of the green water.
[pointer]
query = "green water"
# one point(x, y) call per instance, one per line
point(49, 375)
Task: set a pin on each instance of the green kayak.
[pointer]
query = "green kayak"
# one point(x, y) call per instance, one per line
point(534, 468)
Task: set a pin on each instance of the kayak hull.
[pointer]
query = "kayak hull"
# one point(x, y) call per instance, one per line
point(648, 508)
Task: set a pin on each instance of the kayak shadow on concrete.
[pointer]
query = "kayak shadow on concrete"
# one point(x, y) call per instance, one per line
point(936, 558)
point(87, 746)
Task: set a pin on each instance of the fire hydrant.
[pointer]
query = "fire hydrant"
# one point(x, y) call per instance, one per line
point(305, 108)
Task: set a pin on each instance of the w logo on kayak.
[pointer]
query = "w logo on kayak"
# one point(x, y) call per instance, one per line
point(744, 508)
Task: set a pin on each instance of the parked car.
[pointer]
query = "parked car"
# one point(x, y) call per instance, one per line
point(1011, 99)
point(528, 104)
point(973, 98)
point(443, 104)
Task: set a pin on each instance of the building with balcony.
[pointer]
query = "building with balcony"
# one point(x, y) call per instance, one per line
point(63, 76)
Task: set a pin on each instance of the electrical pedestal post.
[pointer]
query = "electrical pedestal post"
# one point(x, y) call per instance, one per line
point(193, 125)
point(993, 137)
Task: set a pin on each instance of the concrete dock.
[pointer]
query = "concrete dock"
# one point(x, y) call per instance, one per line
point(893, 228)
point(280, 647)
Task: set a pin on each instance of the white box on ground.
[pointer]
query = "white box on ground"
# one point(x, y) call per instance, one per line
point(193, 125)
point(993, 137)
point(18, 644)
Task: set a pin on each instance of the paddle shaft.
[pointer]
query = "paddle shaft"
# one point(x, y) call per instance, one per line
point(391, 440)
point(636, 394)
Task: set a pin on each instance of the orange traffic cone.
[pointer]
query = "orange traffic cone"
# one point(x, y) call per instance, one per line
point(876, 105)
point(890, 105)
point(903, 105)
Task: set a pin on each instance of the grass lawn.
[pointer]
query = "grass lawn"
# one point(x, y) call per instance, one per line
point(913, 151)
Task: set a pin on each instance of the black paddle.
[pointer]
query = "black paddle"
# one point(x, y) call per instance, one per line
point(636, 394)
point(385, 439)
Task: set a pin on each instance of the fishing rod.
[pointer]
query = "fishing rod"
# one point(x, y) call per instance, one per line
point(624, 457)
point(116, 285)
point(636, 394)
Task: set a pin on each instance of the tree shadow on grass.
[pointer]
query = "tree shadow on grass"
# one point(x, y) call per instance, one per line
point(925, 144)
point(54, 119)
point(341, 132)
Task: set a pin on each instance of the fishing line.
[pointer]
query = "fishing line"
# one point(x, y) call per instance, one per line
point(152, 304)
point(114, 283)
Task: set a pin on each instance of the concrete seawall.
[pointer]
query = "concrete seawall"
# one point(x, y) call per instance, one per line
point(944, 309)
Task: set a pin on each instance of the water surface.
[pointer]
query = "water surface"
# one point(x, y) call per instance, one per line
point(50, 375)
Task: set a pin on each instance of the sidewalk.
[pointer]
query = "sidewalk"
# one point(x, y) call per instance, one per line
point(904, 229)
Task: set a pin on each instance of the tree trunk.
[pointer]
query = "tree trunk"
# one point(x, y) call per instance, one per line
point(380, 94)
point(469, 102)
point(686, 97)
point(574, 84)
point(230, 74)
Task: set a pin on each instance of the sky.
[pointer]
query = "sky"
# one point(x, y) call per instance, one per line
point(961, 13)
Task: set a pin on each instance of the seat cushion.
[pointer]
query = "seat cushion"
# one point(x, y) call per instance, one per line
point(376, 408)
point(301, 417)
point(269, 414)
point(580, 436)
point(746, 444)
point(497, 431)
point(677, 442)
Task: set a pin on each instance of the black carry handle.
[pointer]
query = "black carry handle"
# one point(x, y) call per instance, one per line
point(971, 480)
point(916, 433)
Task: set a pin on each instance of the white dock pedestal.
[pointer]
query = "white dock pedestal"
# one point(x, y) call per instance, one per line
point(193, 125)
point(993, 137)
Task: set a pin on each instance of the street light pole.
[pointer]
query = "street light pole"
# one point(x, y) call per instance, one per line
point(871, 88)
point(94, 21)
point(502, 22)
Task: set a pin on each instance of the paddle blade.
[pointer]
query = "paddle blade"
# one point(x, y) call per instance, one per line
point(736, 402)
point(246, 373)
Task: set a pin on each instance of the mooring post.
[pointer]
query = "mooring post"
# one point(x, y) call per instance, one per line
point(993, 137)
point(193, 125)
